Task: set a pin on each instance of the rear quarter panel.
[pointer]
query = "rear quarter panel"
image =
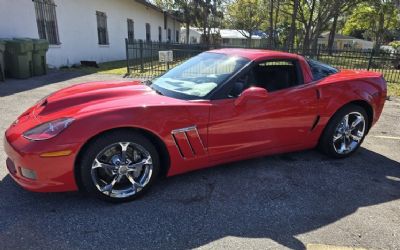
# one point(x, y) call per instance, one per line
point(348, 86)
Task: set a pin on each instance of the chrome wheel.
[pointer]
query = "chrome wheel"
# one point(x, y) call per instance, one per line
point(349, 133)
point(122, 169)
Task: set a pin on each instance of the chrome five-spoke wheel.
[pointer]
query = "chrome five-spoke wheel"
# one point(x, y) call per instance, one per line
point(119, 165)
point(349, 133)
point(345, 131)
point(122, 169)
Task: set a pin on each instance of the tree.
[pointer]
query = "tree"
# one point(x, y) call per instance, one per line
point(376, 18)
point(185, 9)
point(188, 12)
point(165, 4)
point(293, 30)
point(246, 16)
point(271, 24)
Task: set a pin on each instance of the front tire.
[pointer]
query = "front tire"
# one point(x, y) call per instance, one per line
point(119, 166)
point(345, 132)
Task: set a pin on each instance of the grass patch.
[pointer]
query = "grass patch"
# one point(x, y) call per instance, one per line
point(112, 68)
point(150, 69)
point(393, 89)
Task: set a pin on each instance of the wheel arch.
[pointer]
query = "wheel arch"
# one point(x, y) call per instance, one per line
point(361, 103)
point(156, 140)
point(368, 109)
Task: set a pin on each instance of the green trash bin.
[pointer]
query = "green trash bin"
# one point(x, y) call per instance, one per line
point(19, 58)
point(40, 47)
point(2, 65)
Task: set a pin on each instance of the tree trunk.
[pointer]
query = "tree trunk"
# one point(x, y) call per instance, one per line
point(271, 24)
point(276, 42)
point(332, 33)
point(380, 31)
point(316, 33)
point(314, 43)
point(187, 32)
point(306, 43)
point(292, 34)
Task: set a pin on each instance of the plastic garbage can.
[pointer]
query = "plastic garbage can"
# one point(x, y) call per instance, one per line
point(19, 58)
point(40, 47)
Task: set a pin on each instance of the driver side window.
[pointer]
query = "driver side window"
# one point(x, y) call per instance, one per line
point(271, 75)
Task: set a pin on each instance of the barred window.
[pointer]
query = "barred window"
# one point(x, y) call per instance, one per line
point(102, 28)
point(169, 35)
point(131, 33)
point(159, 34)
point(177, 36)
point(148, 32)
point(46, 20)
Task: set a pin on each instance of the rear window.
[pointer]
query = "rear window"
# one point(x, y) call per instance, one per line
point(320, 70)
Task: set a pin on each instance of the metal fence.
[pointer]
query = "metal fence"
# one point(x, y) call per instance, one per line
point(143, 58)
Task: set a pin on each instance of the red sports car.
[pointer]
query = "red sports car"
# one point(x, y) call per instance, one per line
point(115, 139)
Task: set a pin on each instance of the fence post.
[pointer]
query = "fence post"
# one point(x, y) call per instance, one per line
point(318, 51)
point(167, 50)
point(128, 70)
point(151, 54)
point(370, 59)
point(141, 55)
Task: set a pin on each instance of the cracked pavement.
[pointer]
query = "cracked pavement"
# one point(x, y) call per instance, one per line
point(278, 202)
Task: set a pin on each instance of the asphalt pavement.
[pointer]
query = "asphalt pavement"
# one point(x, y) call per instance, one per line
point(288, 201)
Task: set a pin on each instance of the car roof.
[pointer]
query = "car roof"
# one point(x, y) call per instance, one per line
point(256, 54)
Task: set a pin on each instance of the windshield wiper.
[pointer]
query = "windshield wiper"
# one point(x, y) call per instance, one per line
point(155, 90)
point(147, 82)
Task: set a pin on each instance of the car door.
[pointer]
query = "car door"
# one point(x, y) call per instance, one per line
point(280, 120)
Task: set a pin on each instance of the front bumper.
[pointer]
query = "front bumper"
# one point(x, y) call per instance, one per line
point(51, 174)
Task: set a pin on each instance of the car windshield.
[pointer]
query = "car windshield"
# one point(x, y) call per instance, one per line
point(198, 76)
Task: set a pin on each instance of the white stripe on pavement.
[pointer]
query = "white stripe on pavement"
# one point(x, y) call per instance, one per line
point(387, 137)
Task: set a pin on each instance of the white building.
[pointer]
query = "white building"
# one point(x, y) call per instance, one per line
point(92, 30)
point(238, 38)
point(342, 42)
point(229, 37)
point(195, 34)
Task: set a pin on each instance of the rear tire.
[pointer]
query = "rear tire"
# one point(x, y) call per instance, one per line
point(119, 166)
point(340, 139)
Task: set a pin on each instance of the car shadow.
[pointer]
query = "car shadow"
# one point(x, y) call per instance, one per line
point(13, 86)
point(275, 197)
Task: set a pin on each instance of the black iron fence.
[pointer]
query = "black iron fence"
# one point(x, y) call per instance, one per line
point(143, 58)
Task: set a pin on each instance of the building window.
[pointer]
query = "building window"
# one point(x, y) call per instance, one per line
point(148, 32)
point(102, 28)
point(225, 41)
point(46, 20)
point(159, 34)
point(177, 36)
point(169, 35)
point(131, 31)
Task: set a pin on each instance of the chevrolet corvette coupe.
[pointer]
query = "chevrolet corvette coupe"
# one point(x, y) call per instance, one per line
point(115, 139)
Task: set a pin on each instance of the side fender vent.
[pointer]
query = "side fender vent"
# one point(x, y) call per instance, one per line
point(315, 123)
point(188, 142)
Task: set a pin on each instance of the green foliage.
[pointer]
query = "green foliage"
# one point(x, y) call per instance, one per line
point(247, 15)
point(395, 44)
point(365, 17)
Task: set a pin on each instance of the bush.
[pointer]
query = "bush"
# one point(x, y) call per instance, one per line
point(395, 44)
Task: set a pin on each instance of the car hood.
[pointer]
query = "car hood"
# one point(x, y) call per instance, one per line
point(97, 96)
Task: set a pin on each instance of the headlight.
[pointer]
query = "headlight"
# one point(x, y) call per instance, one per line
point(48, 130)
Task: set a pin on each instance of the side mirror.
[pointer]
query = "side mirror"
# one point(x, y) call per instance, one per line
point(251, 93)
